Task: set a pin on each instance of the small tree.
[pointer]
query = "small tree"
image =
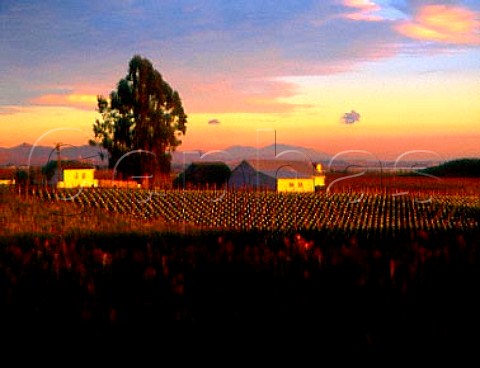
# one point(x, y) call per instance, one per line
point(143, 114)
point(21, 177)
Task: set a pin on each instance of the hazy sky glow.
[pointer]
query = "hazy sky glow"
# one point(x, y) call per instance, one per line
point(410, 69)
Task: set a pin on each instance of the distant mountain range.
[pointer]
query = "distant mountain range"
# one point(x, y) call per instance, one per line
point(29, 155)
point(235, 154)
point(26, 154)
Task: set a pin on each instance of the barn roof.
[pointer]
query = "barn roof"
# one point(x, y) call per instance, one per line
point(7, 173)
point(281, 168)
point(105, 174)
point(75, 165)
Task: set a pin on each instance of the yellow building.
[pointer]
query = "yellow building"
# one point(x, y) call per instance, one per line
point(78, 178)
point(7, 181)
point(302, 181)
point(7, 176)
point(279, 175)
point(318, 176)
point(295, 185)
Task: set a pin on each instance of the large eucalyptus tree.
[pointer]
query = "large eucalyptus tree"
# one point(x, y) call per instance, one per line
point(143, 119)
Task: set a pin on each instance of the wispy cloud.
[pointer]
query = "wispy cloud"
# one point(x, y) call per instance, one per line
point(82, 101)
point(443, 24)
point(11, 110)
point(222, 93)
point(362, 10)
point(214, 122)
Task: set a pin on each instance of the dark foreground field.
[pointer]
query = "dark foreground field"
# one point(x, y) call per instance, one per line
point(104, 276)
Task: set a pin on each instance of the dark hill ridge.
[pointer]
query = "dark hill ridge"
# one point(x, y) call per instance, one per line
point(465, 167)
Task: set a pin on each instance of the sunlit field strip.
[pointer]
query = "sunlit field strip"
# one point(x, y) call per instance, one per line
point(271, 211)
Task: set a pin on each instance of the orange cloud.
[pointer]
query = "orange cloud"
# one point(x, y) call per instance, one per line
point(365, 10)
point(443, 23)
point(82, 101)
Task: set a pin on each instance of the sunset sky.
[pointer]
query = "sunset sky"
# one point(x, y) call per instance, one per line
point(384, 76)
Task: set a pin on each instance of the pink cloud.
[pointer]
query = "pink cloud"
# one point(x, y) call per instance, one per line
point(364, 10)
point(444, 24)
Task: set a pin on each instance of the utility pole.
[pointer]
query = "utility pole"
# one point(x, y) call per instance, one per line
point(59, 165)
point(275, 144)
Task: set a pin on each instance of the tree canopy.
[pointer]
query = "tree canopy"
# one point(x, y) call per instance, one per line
point(141, 123)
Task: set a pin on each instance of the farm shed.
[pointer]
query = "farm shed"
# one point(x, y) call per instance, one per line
point(7, 176)
point(75, 175)
point(279, 175)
